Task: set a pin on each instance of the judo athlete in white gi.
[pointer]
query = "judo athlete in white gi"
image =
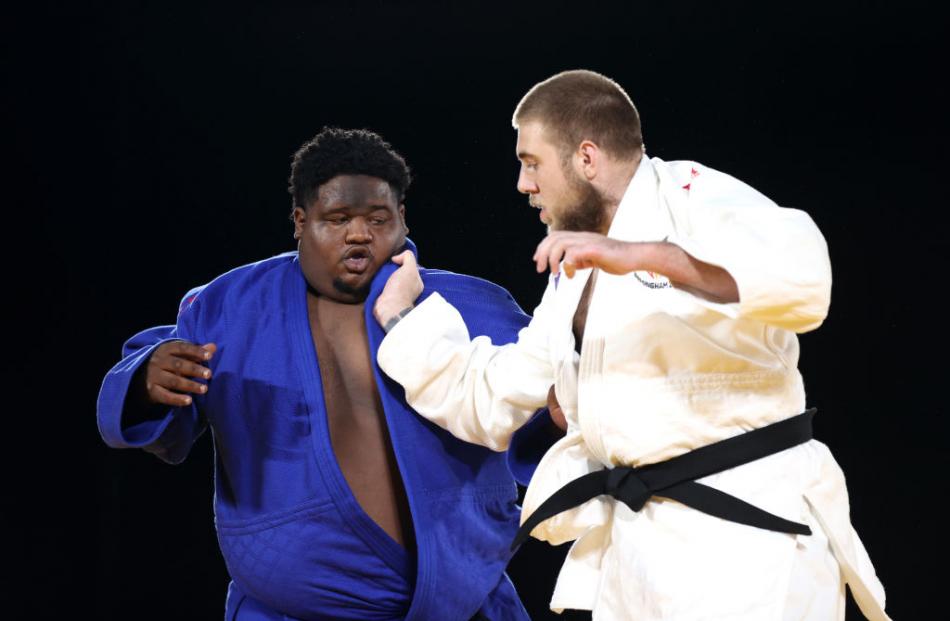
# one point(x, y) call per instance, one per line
point(668, 326)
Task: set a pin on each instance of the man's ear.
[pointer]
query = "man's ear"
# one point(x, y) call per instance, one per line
point(402, 216)
point(588, 159)
point(300, 219)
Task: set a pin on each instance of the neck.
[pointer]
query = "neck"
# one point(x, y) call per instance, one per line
point(621, 174)
point(339, 299)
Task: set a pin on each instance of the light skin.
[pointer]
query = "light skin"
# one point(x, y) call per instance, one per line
point(554, 190)
point(552, 187)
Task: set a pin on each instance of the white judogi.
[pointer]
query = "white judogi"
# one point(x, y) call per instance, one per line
point(662, 372)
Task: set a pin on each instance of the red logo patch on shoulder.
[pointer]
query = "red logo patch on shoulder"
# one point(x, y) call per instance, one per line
point(186, 303)
point(693, 173)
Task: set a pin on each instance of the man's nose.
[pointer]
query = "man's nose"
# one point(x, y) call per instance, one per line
point(358, 231)
point(526, 185)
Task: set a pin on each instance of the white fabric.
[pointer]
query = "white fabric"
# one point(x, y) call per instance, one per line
point(663, 372)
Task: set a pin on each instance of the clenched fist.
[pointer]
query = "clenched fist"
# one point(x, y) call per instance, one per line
point(401, 290)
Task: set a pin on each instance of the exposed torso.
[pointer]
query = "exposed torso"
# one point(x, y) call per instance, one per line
point(357, 423)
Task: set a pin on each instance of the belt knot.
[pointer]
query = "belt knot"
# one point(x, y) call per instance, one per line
point(624, 485)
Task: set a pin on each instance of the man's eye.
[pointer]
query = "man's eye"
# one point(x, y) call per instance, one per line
point(379, 220)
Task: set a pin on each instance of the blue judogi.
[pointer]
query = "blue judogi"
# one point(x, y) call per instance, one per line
point(296, 542)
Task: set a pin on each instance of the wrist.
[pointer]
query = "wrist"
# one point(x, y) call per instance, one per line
point(388, 305)
point(390, 322)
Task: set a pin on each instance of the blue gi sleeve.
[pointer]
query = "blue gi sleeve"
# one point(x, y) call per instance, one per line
point(530, 443)
point(168, 434)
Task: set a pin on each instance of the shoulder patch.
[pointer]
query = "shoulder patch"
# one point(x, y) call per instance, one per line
point(693, 173)
point(186, 302)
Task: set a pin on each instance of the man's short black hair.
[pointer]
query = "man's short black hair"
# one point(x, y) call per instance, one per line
point(336, 151)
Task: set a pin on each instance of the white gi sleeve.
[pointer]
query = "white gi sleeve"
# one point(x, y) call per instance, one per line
point(777, 256)
point(479, 392)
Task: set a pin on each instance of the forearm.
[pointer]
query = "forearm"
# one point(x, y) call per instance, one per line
point(777, 256)
point(479, 392)
point(685, 271)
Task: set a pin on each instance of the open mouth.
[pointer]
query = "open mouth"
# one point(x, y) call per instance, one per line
point(543, 214)
point(357, 260)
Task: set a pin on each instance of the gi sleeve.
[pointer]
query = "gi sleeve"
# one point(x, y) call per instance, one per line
point(479, 392)
point(168, 433)
point(777, 256)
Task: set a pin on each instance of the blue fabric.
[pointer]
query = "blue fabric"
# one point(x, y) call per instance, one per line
point(296, 542)
point(530, 443)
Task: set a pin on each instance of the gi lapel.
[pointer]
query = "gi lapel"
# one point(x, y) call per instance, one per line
point(308, 369)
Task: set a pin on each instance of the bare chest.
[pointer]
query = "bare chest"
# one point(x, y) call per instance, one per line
point(355, 416)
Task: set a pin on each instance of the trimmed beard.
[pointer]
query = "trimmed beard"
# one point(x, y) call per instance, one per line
point(359, 294)
point(587, 211)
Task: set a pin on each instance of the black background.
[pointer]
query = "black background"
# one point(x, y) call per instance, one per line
point(148, 148)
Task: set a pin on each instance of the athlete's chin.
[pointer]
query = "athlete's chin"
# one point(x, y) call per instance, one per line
point(353, 287)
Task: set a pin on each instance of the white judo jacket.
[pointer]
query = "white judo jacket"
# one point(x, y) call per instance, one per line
point(662, 372)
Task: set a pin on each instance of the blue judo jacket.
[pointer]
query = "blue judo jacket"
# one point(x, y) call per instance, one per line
point(295, 541)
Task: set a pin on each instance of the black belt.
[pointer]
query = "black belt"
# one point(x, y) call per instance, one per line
point(676, 479)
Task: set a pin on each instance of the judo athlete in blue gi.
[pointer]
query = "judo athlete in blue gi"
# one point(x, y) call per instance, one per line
point(333, 499)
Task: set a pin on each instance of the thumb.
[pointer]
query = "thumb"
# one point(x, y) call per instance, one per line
point(398, 259)
point(406, 259)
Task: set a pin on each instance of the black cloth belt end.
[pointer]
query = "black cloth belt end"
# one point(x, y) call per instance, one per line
point(676, 479)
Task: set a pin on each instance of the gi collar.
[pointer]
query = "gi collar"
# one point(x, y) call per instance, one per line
point(379, 280)
point(638, 205)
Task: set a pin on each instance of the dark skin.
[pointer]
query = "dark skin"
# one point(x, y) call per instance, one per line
point(351, 229)
point(166, 379)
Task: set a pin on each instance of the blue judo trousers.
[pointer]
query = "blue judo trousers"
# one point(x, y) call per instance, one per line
point(296, 543)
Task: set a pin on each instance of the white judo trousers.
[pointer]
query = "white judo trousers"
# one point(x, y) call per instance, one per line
point(662, 372)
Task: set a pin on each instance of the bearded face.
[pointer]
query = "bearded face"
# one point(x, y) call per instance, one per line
point(582, 208)
point(351, 230)
point(567, 201)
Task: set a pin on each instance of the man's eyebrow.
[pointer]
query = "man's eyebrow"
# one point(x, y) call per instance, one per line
point(524, 155)
point(348, 207)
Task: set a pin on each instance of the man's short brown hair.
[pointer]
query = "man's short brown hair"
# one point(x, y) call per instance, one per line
point(579, 105)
